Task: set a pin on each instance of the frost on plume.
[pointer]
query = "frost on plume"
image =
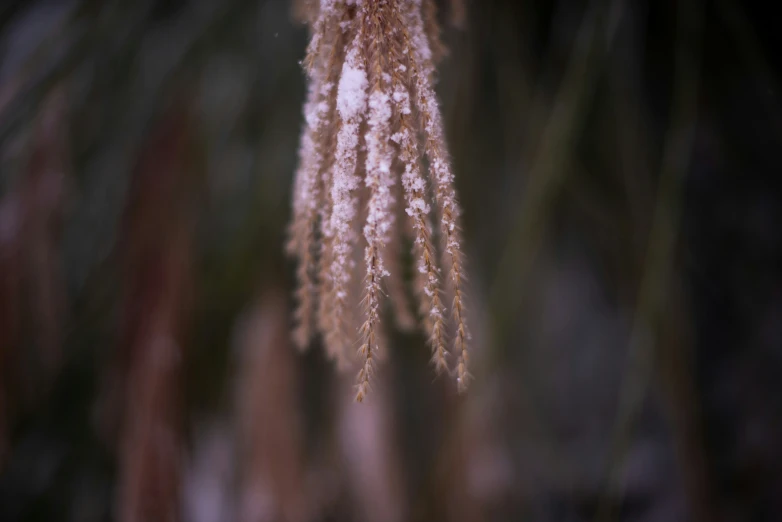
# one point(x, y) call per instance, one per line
point(370, 118)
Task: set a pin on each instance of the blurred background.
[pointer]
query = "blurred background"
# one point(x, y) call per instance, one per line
point(618, 165)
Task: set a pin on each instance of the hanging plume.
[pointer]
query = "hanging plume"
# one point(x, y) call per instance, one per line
point(370, 118)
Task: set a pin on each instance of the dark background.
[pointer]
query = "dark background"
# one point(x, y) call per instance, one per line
point(618, 165)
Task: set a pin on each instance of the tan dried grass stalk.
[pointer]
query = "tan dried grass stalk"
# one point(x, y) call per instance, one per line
point(370, 65)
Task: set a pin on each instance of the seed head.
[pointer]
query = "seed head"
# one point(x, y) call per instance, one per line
point(370, 66)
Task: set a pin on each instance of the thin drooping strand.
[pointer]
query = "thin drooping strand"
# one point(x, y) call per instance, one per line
point(415, 192)
point(432, 30)
point(420, 277)
point(443, 181)
point(395, 285)
point(329, 11)
point(305, 211)
point(378, 179)
point(302, 183)
point(327, 142)
point(351, 104)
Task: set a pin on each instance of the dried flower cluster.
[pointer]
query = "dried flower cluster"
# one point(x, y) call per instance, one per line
point(371, 116)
